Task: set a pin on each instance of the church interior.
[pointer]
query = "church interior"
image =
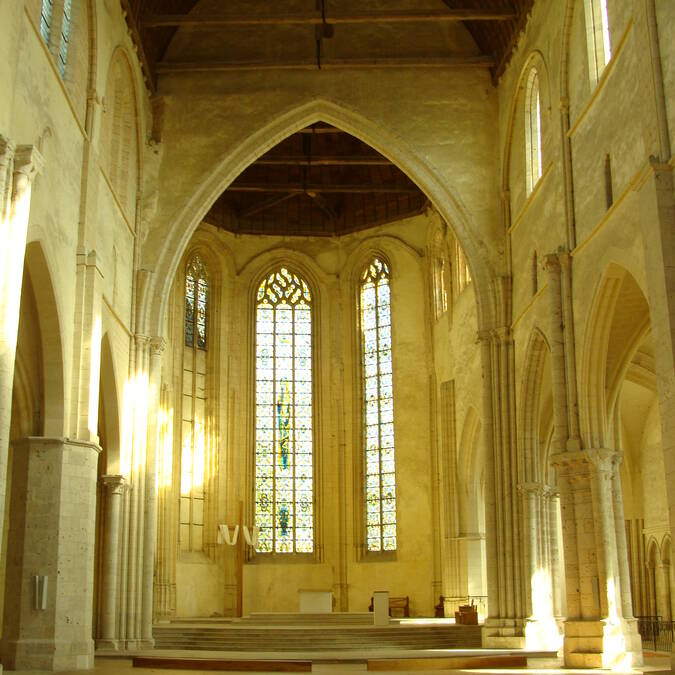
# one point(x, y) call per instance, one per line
point(357, 297)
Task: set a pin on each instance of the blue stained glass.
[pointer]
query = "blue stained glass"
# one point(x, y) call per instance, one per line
point(378, 413)
point(284, 373)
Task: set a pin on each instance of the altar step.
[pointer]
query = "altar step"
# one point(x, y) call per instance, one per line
point(242, 637)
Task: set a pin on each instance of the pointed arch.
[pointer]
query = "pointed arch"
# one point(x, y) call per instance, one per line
point(120, 133)
point(50, 330)
point(529, 441)
point(109, 394)
point(616, 325)
point(155, 295)
point(470, 467)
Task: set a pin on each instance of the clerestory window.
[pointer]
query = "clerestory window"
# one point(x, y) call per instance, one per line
point(597, 32)
point(378, 407)
point(46, 19)
point(65, 37)
point(533, 159)
point(284, 492)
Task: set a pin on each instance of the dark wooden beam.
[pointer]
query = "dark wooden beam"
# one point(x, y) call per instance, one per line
point(334, 188)
point(267, 204)
point(207, 21)
point(322, 160)
point(460, 61)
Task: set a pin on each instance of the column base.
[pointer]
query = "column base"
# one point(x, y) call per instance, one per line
point(108, 644)
point(48, 655)
point(602, 644)
point(544, 634)
point(503, 634)
point(146, 643)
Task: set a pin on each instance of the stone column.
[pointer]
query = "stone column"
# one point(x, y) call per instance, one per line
point(17, 171)
point(505, 624)
point(150, 533)
point(115, 486)
point(51, 535)
point(541, 629)
point(657, 209)
point(597, 635)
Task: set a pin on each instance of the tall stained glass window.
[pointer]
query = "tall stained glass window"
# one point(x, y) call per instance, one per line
point(196, 304)
point(46, 19)
point(283, 441)
point(65, 38)
point(378, 407)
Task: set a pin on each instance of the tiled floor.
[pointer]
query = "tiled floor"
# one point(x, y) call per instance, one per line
point(115, 666)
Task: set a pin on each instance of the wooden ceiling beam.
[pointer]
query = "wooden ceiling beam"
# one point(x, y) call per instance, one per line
point(208, 21)
point(321, 160)
point(460, 61)
point(326, 189)
point(267, 204)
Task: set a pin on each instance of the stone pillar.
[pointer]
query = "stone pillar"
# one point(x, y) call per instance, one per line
point(506, 597)
point(657, 209)
point(17, 171)
point(165, 580)
point(541, 629)
point(115, 487)
point(51, 535)
point(150, 533)
point(597, 635)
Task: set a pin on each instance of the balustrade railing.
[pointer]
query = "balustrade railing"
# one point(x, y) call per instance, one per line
point(656, 633)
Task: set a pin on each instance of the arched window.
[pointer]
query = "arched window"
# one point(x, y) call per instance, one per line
point(46, 19)
point(65, 37)
point(439, 275)
point(196, 449)
point(532, 131)
point(284, 494)
point(462, 272)
point(597, 31)
point(196, 304)
point(378, 407)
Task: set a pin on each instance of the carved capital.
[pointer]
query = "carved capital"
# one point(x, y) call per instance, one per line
point(7, 149)
point(142, 341)
point(115, 484)
point(28, 163)
point(157, 346)
point(604, 460)
point(536, 489)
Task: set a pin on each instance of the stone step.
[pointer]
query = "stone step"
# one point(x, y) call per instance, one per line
point(245, 638)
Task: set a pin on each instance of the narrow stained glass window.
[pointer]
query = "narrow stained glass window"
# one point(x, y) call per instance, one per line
point(284, 509)
point(378, 408)
point(46, 19)
point(533, 131)
point(65, 37)
point(196, 304)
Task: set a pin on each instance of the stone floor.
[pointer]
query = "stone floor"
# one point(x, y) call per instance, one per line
point(114, 666)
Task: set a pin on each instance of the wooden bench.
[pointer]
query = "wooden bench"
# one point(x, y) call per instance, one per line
point(402, 604)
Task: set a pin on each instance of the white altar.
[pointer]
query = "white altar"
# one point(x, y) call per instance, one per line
point(315, 602)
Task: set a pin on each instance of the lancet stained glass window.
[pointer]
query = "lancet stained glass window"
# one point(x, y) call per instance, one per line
point(284, 509)
point(65, 37)
point(46, 19)
point(196, 303)
point(378, 407)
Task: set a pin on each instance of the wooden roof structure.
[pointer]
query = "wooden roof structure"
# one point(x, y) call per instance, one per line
point(322, 34)
point(321, 180)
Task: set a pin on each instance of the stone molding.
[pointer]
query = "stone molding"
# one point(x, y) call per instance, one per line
point(54, 440)
point(115, 483)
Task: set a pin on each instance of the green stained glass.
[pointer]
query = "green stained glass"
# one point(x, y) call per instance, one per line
point(378, 408)
point(284, 479)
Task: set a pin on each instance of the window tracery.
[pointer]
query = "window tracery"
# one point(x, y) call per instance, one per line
point(284, 494)
point(378, 408)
